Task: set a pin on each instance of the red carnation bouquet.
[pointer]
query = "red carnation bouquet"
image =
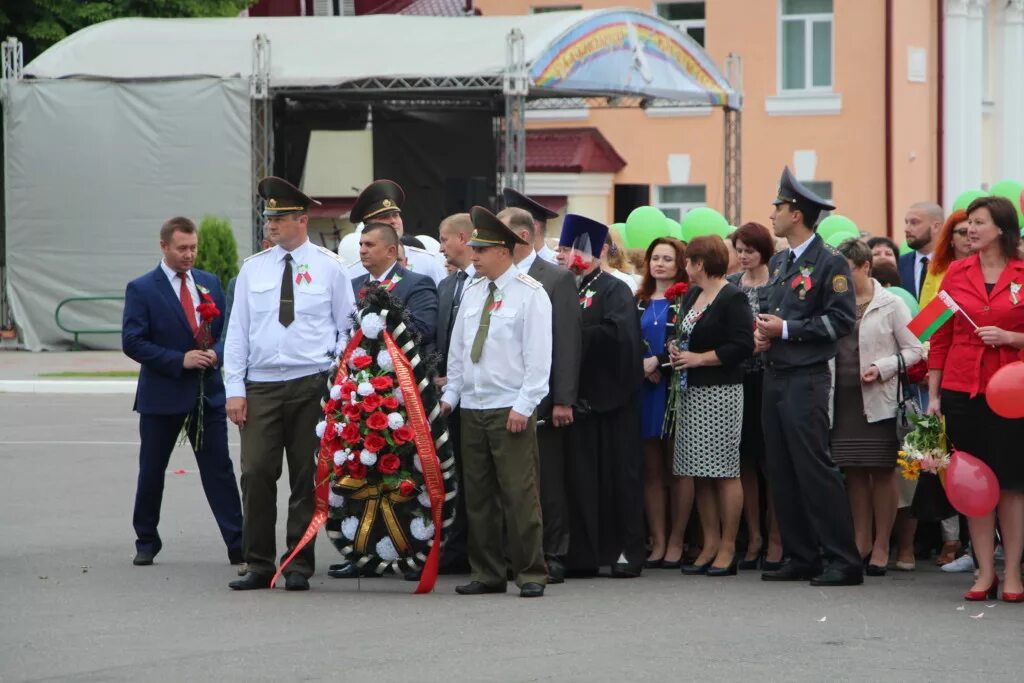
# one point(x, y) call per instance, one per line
point(208, 312)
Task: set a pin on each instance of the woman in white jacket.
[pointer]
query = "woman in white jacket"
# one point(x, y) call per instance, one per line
point(864, 439)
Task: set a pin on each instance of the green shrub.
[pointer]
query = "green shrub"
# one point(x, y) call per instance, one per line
point(217, 252)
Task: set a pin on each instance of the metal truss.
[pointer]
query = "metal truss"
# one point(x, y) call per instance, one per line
point(13, 60)
point(516, 87)
point(733, 157)
point(262, 129)
point(12, 69)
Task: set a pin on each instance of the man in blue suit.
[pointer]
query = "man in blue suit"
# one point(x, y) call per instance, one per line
point(922, 225)
point(160, 330)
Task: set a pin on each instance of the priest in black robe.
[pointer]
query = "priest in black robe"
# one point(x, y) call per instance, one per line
point(605, 483)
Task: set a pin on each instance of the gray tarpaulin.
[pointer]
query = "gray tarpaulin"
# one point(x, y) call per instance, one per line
point(92, 170)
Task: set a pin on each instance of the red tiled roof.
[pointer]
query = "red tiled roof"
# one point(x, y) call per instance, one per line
point(570, 150)
point(437, 8)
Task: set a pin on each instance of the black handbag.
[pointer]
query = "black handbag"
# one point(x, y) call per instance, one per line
point(930, 503)
point(907, 402)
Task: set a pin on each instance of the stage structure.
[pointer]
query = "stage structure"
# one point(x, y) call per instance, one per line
point(148, 111)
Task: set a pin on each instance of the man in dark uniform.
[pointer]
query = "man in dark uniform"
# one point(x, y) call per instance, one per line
point(555, 410)
point(541, 215)
point(810, 306)
point(605, 480)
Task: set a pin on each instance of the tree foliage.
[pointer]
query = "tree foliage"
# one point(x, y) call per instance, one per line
point(41, 23)
point(217, 251)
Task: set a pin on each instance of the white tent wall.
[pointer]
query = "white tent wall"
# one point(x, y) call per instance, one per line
point(93, 169)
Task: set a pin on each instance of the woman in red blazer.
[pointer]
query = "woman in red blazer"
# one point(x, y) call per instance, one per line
point(989, 287)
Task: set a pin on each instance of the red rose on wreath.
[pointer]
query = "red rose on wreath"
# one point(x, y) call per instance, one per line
point(372, 402)
point(377, 420)
point(388, 463)
point(391, 403)
point(677, 290)
point(407, 488)
point(381, 383)
point(346, 390)
point(356, 469)
point(330, 407)
point(403, 434)
point(362, 362)
point(350, 433)
point(374, 442)
point(352, 411)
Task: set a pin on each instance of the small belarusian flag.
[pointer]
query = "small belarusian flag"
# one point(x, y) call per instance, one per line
point(931, 318)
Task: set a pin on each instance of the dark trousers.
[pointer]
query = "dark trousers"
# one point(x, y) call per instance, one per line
point(158, 435)
point(282, 416)
point(454, 554)
point(810, 499)
point(500, 470)
point(552, 443)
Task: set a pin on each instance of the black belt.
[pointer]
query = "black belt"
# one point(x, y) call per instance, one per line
point(811, 369)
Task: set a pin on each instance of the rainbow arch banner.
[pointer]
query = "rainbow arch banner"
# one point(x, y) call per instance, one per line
point(634, 54)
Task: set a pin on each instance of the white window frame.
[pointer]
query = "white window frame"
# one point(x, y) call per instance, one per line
point(682, 207)
point(685, 24)
point(809, 20)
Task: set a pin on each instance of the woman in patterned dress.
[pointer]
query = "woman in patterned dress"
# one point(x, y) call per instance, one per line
point(717, 337)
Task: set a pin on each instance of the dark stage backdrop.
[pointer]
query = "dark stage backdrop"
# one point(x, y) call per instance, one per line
point(445, 161)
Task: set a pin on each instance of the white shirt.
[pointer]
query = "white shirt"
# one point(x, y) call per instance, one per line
point(625, 277)
point(798, 251)
point(548, 254)
point(516, 360)
point(527, 262)
point(419, 261)
point(176, 286)
point(918, 265)
point(258, 345)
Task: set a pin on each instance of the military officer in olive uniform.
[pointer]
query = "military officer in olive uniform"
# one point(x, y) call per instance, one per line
point(498, 367)
point(292, 305)
point(810, 306)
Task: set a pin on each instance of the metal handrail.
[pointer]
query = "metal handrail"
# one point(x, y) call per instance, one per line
point(76, 332)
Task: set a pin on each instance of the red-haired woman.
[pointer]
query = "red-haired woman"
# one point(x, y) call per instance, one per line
point(754, 247)
point(663, 267)
point(988, 287)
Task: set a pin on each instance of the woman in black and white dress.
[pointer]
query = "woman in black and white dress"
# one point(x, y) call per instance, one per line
point(718, 328)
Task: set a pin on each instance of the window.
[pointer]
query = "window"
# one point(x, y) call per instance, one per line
point(555, 8)
point(688, 17)
point(675, 200)
point(822, 188)
point(805, 37)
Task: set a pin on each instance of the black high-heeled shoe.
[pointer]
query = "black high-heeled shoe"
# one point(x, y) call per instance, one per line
point(678, 564)
point(751, 564)
point(875, 570)
point(654, 564)
point(694, 569)
point(722, 571)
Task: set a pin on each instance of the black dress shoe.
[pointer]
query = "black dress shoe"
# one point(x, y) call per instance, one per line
point(694, 569)
point(838, 577)
point(770, 566)
point(556, 570)
point(235, 556)
point(626, 571)
point(336, 567)
point(295, 581)
point(875, 570)
point(251, 581)
point(413, 575)
point(478, 588)
point(531, 590)
point(790, 571)
point(143, 558)
point(350, 571)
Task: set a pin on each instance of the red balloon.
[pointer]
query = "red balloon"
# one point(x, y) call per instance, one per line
point(971, 485)
point(1005, 391)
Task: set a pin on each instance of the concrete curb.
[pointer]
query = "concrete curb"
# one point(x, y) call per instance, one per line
point(54, 386)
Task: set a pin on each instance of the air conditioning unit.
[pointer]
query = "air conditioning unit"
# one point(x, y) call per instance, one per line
point(323, 8)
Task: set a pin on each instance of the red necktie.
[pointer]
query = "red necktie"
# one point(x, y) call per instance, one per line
point(187, 306)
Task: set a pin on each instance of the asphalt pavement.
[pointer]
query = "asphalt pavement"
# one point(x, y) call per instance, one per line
point(74, 608)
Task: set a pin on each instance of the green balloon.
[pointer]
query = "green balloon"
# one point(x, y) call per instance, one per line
point(905, 248)
point(644, 225)
point(621, 229)
point(673, 228)
point(907, 298)
point(703, 221)
point(837, 238)
point(836, 223)
point(965, 198)
point(1012, 190)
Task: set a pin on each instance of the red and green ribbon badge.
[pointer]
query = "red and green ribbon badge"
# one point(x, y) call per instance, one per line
point(303, 274)
point(390, 284)
point(588, 298)
point(1015, 292)
point(497, 303)
point(803, 279)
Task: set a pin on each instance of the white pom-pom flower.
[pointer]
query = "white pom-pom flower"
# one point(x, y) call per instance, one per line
point(336, 392)
point(384, 361)
point(338, 428)
point(365, 389)
point(356, 353)
point(349, 526)
point(417, 463)
point(395, 420)
point(371, 325)
point(424, 499)
point(400, 396)
point(386, 550)
point(321, 428)
point(421, 531)
point(339, 457)
point(334, 500)
point(367, 458)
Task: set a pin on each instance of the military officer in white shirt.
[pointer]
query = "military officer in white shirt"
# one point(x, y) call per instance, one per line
point(381, 202)
point(292, 306)
point(498, 366)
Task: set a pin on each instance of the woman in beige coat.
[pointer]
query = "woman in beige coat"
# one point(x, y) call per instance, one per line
point(864, 439)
